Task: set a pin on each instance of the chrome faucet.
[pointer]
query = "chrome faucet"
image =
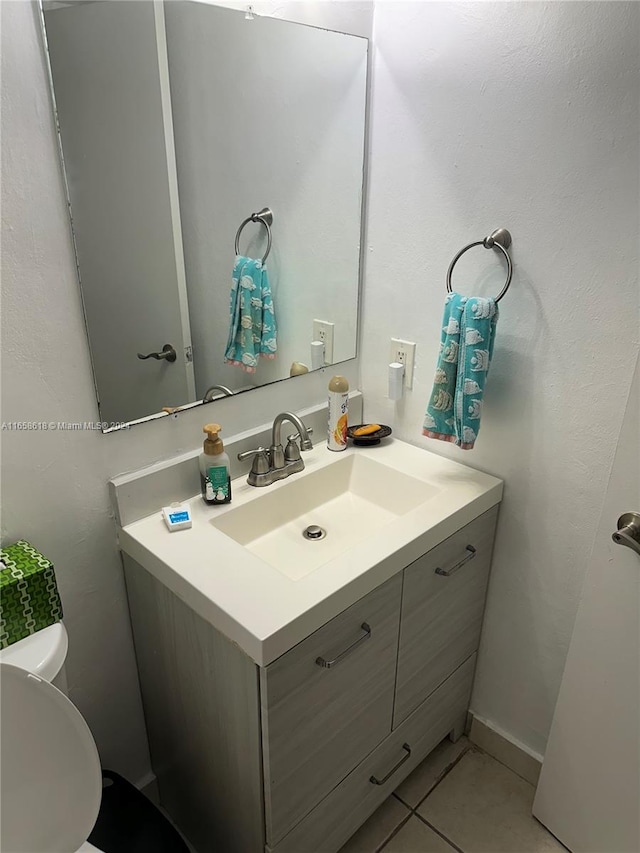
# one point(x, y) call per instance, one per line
point(209, 395)
point(278, 457)
point(277, 463)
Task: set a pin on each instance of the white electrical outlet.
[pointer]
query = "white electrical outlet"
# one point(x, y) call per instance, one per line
point(405, 353)
point(323, 331)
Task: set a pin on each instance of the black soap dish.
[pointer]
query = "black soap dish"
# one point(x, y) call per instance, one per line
point(368, 440)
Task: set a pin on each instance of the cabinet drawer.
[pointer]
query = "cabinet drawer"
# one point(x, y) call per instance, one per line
point(442, 614)
point(338, 816)
point(320, 720)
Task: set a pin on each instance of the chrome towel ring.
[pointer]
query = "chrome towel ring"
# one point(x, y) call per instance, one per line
point(264, 217)
point(500, 239)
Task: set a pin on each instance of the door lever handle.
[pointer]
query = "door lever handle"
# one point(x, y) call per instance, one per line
point(628, 532)
point(168, 354)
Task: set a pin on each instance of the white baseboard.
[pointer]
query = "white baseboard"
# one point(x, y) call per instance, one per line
point(497, 743)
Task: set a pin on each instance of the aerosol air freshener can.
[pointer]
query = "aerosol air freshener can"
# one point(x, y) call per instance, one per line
point(338, 405)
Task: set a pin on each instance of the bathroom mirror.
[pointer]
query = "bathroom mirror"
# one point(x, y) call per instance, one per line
point(177, 122)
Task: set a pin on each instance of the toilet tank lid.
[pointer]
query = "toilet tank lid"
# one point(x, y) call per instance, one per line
point(42, 653)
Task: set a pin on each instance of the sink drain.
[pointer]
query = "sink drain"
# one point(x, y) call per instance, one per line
point(314, 532)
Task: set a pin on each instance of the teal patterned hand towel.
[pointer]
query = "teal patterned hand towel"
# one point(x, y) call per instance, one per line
point(468, 334)
point(252, 329)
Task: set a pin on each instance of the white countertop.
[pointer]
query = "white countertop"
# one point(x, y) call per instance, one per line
point(267, 613)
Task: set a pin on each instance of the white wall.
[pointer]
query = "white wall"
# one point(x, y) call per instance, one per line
point(54, 484)
point(522, 115)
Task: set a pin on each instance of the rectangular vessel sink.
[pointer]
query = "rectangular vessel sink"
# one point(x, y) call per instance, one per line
point(350, 499)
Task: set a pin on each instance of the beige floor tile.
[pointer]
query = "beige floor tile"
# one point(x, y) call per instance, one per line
point(416, 837)
point(483, 807)
point(506, 753)
point(375, 831)
point(416, 786)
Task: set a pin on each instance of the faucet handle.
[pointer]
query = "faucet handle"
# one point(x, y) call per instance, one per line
point(296, 435)
point(260, 461)
point(292, 451)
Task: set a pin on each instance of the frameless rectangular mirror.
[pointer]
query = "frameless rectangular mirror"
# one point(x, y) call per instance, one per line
point(178, 121)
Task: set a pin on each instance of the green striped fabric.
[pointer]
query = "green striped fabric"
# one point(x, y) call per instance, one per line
point(29, 598)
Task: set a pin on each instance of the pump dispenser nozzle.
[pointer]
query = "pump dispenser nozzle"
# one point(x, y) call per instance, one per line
point(213, 443)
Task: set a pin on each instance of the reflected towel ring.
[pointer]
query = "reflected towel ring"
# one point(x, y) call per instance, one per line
point(264, 217)
point(500, 239)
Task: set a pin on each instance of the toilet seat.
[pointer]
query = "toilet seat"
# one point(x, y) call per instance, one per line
point(51, 776)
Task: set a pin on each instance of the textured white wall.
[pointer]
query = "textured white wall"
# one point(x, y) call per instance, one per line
point(522, 115)
point(54, 484)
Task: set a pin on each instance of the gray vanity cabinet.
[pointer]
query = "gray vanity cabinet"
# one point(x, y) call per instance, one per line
point(326, 704)
point(442, 608)
point(294, 756)
point(337, 817)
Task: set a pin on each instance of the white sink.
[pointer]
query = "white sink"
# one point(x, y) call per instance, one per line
point(246, 568)
point(350, 499)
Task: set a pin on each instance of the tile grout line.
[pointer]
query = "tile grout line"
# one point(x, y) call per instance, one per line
point(504, 764)
point(413, 809)
point(441, 834)
point(446, 773)
point(440, 779)
point(395, 832)
point(444, 776)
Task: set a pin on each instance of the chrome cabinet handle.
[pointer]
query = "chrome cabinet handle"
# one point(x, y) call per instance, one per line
point(386, 778)
point(327, 664)
point(628, 532)
point(448, 572)
point(168, 354)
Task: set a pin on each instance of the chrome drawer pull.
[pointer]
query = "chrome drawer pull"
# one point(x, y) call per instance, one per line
point(448, 572)
point(327, 664)
point(386, 778)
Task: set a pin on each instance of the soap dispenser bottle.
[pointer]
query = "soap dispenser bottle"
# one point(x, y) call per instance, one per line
point(215, 478)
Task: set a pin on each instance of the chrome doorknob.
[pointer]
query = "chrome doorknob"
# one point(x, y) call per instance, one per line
point(628, 532)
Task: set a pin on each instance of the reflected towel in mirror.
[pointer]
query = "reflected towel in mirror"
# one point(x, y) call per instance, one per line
point(252, 330)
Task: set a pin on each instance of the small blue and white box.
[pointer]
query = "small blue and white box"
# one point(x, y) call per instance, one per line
point(177, 516)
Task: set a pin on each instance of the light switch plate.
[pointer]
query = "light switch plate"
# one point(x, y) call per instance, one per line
point(405, 353)
point(323, 331)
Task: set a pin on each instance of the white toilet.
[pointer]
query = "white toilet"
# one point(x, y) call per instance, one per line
point(51, 777)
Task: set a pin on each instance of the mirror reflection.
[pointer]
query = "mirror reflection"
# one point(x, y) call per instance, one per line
point(180, 122)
